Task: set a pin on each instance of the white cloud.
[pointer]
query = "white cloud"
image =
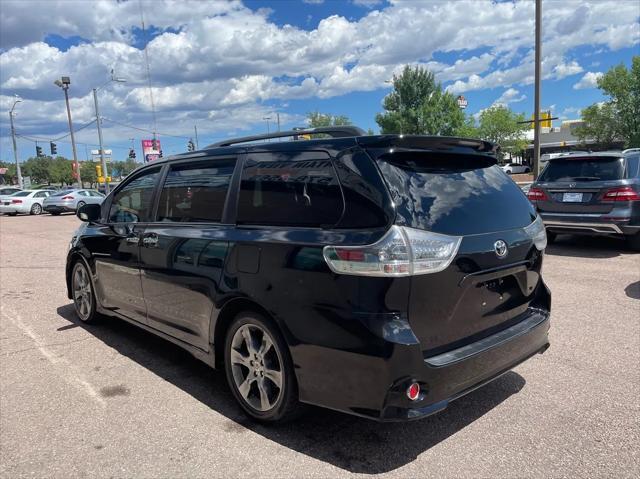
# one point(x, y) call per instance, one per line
point(589, 80)
point(510, 95)
point(210, 59)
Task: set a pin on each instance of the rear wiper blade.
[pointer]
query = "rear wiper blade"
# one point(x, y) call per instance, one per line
point(586, 178)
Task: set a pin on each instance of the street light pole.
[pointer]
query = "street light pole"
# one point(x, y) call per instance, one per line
point(103, 162)
point(538, 73)
point(64, 83)
point(15, 148)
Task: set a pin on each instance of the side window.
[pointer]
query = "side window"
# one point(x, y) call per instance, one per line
point(196, 192)
point(83, 193)
point(95, 194)
point(40, 194)
point(633, 166)
point(289, 189)
point(133, 202)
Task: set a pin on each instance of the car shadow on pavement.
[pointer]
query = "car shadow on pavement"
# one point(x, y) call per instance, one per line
point(633, 290)
point(587, 246)
point(354, 444)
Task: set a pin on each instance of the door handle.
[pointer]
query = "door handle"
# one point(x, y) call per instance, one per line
point(150, 240)
point(132, 240)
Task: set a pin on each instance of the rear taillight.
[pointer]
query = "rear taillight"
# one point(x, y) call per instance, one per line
point(538, 233)
point(537, 194)
point(622, 193)
point(16, 202)
point(67, 197)
point(401, 251)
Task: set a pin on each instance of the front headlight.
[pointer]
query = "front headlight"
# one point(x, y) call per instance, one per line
point(537, 233)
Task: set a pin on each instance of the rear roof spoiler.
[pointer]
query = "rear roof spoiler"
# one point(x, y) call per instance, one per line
point(428, 143)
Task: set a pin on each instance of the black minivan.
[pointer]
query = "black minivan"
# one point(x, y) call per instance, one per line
point(383, 276)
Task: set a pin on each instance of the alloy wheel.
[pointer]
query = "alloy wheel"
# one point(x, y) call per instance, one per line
point(82, 296)
point(36, 209)
point(256, 367)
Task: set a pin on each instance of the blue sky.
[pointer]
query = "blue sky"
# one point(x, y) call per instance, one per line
point(224, 66)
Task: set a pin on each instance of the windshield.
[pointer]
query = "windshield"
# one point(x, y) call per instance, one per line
point(22, 193)
point(584, 169)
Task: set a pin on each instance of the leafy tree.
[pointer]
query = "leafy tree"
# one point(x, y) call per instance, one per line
point(468, 128)
point(62, 171)
point(500, 125)
point(317, 120)
point(88, 172)
point(619, 117)
point(38, 168)
point(418, 105)
point(370, 132)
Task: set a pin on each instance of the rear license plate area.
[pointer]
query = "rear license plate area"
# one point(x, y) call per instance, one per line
point(572, 197)
point(499, 294)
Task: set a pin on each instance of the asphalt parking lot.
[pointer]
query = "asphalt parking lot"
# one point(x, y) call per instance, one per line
point(113, 401)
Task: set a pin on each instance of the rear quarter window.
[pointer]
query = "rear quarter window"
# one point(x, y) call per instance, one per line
point(298, 189)
point(633, 166)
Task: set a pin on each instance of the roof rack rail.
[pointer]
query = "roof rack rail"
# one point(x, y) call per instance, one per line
point(332, 131)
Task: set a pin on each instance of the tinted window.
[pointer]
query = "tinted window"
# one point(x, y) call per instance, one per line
point(298, 189)
point(22, 193)
point(41, 194)
point(132, 203)
point(633, 166)
point(195, 192)
point(8, 191)
point(454, 194)
point(587, 169)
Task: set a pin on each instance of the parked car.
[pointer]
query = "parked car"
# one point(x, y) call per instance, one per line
point(514, 168)
point(382, 276)
point(24, 201)
point(591, 193)
point(71, 200)
point(8, 190)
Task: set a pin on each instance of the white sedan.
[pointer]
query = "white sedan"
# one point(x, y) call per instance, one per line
point(514, 168)
point(25, 201)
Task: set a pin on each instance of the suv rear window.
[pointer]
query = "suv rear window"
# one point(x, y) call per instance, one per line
point(289, 189)
point(584, 169)
point(196, 192)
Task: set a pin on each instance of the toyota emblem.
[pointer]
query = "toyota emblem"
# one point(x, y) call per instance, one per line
point(500, 247)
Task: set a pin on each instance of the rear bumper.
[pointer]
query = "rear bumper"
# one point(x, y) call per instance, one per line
point(590, 224)
point(13, 209)
point(58, 208)
point(453, 374)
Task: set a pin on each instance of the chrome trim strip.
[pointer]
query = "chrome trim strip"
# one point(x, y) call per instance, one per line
point(536, 317)
point(577, 215)
point(597, 227)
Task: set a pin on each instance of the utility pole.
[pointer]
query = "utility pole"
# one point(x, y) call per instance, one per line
point(13, 137)
point(278, 119)
point(538, 76)
point(64, 83)
point(103, 162)
point(195, 128)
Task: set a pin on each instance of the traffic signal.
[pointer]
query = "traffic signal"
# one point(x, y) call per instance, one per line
point(191, 146)
point(132, 154)
point(39, 151)
point(53, 147)
point(160, 154)
point(98, 171)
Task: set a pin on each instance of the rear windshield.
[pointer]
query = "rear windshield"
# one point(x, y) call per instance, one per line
point(22, 193)
point(585, 169)
point(64, 192)
point(454, 194)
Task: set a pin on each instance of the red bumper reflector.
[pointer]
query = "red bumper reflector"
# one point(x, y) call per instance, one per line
point(413, 391)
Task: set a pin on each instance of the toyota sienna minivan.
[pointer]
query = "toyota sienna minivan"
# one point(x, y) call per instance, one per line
point(383, 276)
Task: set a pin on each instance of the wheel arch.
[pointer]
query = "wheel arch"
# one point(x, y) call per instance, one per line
point(228, 312)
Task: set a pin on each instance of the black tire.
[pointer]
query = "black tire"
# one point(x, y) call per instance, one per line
point(551, 237)
point(527, 170)
point(54, 213)
point(634, 242)
point(80, 205)
point(87, 314)
point(285, 405)
point(36, 209)
point(12, 214)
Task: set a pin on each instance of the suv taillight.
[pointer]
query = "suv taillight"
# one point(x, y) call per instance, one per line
point(622, 193)
point(537, 194)
point(401, 251)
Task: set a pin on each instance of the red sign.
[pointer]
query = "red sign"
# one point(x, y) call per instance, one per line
point(151, 150)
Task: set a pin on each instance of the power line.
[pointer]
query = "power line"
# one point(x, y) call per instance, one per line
point(144, 129)
point(53, 140)
point(146, 59)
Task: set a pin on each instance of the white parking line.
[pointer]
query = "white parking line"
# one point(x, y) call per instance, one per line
point(63, 368)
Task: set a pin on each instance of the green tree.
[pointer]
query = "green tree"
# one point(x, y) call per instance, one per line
point(62, 171)
point(38, 168)
point(317, 120)
point(88, 172)
point(418, 105)
point(619, 117)
point(500, 125)
point(468, 129)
